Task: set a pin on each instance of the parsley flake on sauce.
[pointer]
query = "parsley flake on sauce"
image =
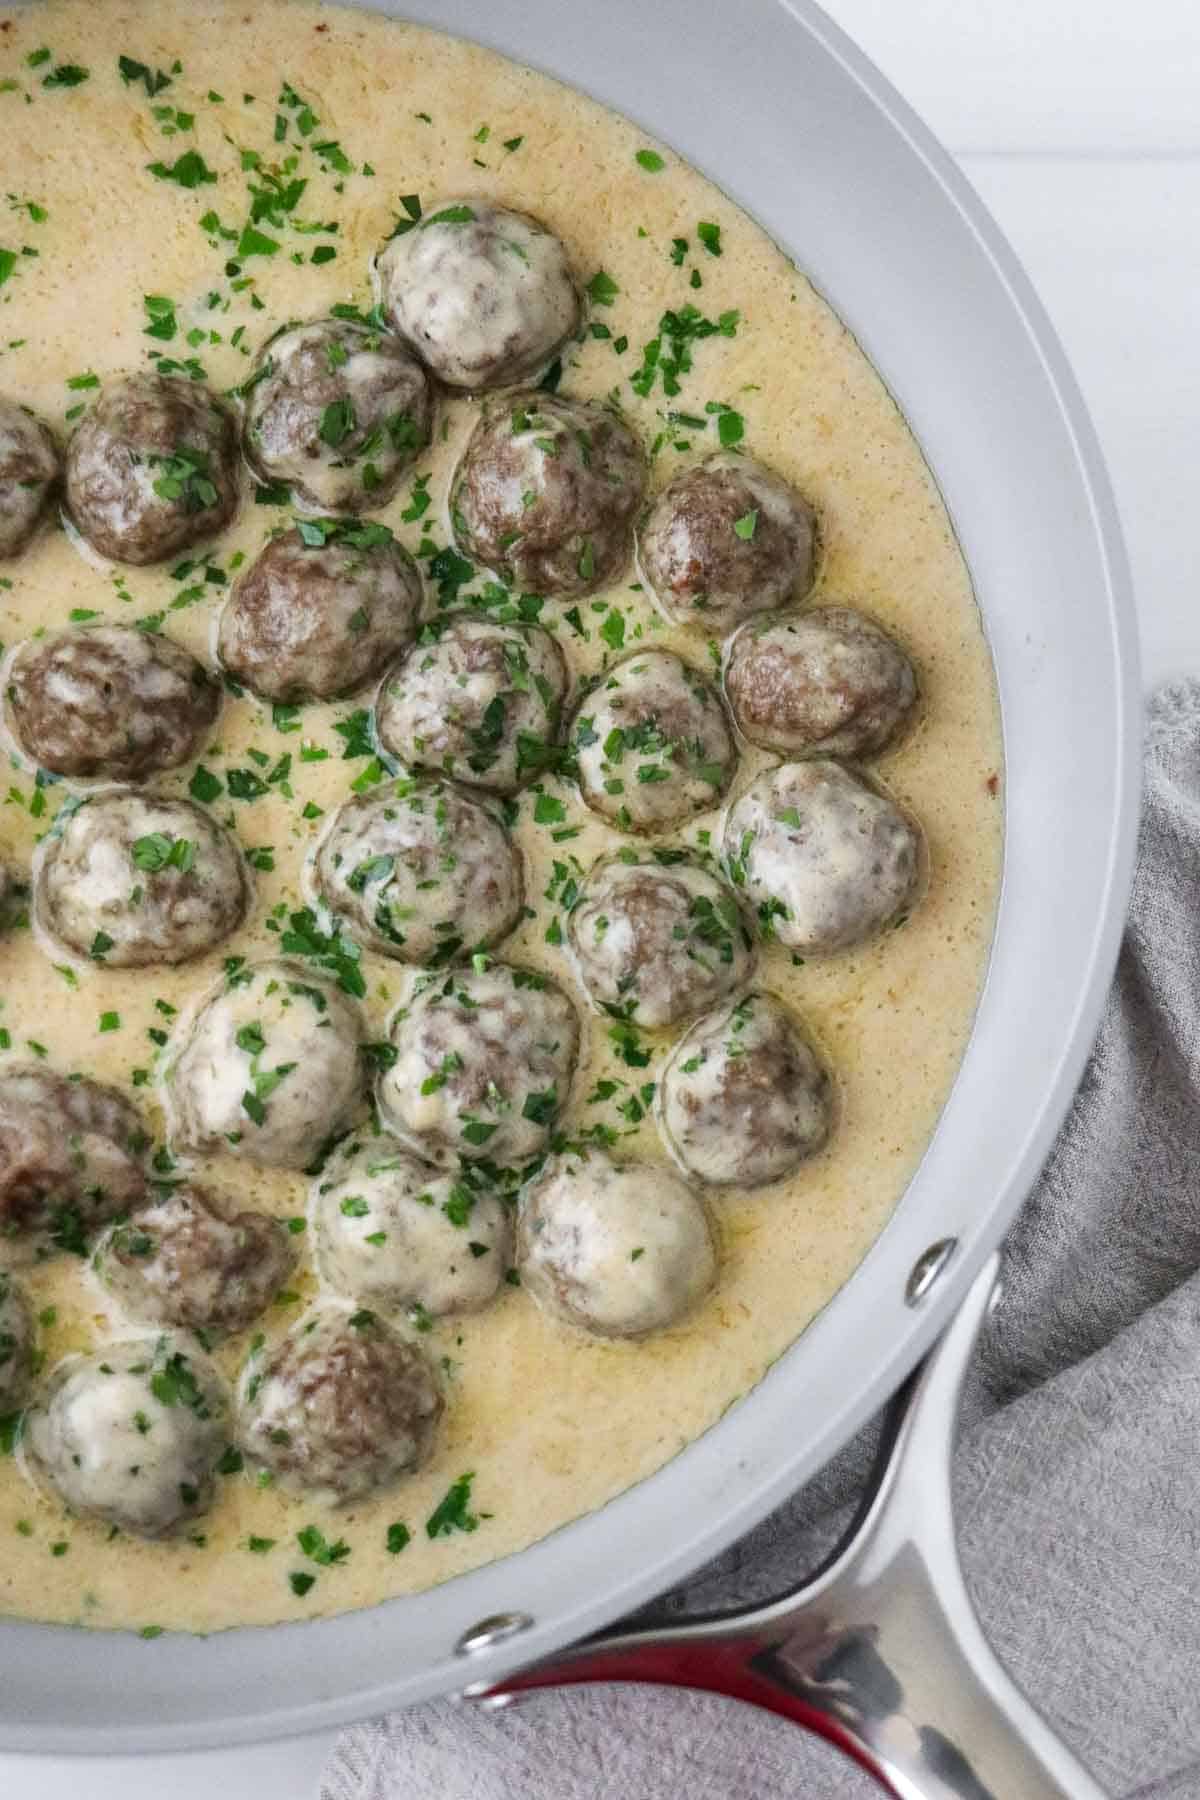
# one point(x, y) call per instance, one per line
point(189, 170)
point(453, 1511)
point(602, 289)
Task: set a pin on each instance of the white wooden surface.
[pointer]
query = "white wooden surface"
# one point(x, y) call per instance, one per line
point(1077, 121)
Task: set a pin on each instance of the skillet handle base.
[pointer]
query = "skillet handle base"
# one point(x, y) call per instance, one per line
point(881, 1651)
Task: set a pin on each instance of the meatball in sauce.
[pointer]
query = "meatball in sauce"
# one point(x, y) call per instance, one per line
point(268, 1070)
point(131, 1434)
point(132, 879)
point(337, 411)
point(546, 492)
point(653, 746)
point(388, 1230)
point(341, 1406)
point(483, 294)
point(743, 1099)
point(615, 1249)
point(827, 682)
point(725, 539)
point(29, 472)
point(656, 940)
point(191, 1261)
point(110, 702)
point(422, 870)
point(72, 1156)
point(152, 468)
point(16, 1345)
point(485, 1059)
point(321, 611)
point(477, 700)
point(827, 859)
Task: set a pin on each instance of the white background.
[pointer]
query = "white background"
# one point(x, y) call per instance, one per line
point(1078, 122)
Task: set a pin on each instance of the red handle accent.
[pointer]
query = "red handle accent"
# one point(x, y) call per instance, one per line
point(712, 1667)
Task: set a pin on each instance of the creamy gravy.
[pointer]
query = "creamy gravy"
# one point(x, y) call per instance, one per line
point(550, 1425)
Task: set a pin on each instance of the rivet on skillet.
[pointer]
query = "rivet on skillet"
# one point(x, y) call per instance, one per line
point(927, 1269)
point(490, 1632)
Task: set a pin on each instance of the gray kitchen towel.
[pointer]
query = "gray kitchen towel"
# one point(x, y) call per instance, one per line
point(1078, 1473)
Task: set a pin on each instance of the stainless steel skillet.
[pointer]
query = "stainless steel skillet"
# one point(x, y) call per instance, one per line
point(771, 102)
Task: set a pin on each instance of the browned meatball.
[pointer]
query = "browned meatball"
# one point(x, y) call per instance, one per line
point(131, 1434)
point(338, 410)
point(725, 539)
point(187, 1260)
point(269, 1069)
point(653, 745)
point(422, 870)
point(109, 701)
point(152, 469)
point(743, 1099)
point(16, 1345)
point(821, 683)
point(616, 1249)
point(342, 1406)
point(476, 699)
point(320, 611)
point(70, 1159)
point(656, 941)
point(485, 295)
point(484, 1063)
point(28, 474)
point(827, 859)
point(14, 892)
point(546, 492)
point(132, 879)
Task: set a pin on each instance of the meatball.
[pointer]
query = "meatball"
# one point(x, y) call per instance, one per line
point(725, 539)
point(320, 611)
point(827, 860)
point(743, 1099)
point(343, 1405)
point(422, 870)
point(484, 1064)
point(16, 1346)
point(619, 1249)
point(131, 1434)
point(71, 1158)
point(109, 701)
point(152, 469)
point(14, 892)
point(655, 941)
point(652, 743)
point(337, 410)
point(477, 700)
point(484, 295)
point(185, 1260)
point(546, 492)
point(133, 879)
point(28, 474)
point(269, 1068)
point(389, 1230)
point(821, 683)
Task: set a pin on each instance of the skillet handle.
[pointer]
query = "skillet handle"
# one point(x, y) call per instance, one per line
point(881, 1651)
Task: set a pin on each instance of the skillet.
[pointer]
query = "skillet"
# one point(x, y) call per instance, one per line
point(771, 102)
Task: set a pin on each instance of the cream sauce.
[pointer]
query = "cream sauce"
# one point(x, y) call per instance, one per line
point(551, 1425)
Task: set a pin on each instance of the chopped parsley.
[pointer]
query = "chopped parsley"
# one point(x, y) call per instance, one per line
point(189, 170)
point(160, 851)
point(602, 289)
point(453, 1511)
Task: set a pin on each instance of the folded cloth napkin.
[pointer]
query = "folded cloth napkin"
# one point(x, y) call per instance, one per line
point(1076, 1478)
